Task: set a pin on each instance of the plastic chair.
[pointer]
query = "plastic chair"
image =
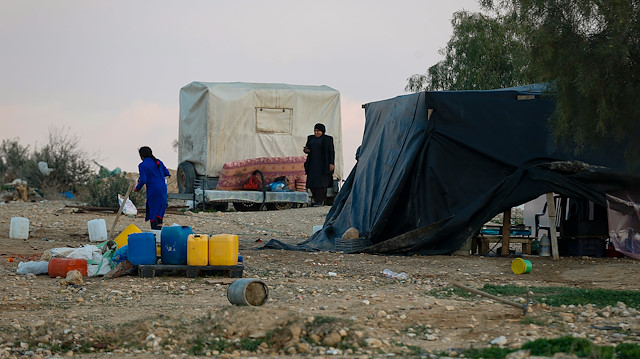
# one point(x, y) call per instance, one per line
point(558, 203)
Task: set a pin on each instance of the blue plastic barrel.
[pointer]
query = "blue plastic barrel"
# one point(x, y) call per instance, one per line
point(141, 248)
point(173, 244)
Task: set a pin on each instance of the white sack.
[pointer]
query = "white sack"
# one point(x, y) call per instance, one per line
point(129, 208)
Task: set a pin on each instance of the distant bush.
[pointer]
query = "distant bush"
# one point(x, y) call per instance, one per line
point(103, 192)
point(71, 166)
point(14, 160)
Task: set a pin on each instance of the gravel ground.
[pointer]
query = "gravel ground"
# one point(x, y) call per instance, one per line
point(319, 303)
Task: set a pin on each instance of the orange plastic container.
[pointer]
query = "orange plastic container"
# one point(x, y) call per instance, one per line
point(223, 250)
point(59, 267)
point(198, 250)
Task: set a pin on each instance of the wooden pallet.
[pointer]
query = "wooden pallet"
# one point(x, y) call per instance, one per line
point(158, 270)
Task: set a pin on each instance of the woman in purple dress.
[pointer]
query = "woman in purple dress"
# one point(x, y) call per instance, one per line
point(152, 174)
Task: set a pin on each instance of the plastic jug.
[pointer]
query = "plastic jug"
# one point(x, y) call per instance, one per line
point(59, 267)
point(121, 239)
point(173, 244)
point(223, 250)
point(141, 248)
point(198, 250)
point(19, 228)
point(97, 230)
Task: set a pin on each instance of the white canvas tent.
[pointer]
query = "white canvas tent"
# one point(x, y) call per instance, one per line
point(224, 122)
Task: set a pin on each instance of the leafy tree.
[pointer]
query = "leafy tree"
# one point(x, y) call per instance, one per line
point(589, 50)
point(486, 51)
point(13, 159)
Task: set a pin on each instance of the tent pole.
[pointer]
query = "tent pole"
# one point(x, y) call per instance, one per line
point(506, 232)
point(551, 210)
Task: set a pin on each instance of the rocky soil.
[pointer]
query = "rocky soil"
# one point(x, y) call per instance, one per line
point(319, 304)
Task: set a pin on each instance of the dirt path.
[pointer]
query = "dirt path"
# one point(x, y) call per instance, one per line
point(319, 303)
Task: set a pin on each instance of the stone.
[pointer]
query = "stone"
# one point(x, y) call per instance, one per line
point(351, 233)
point(314, 337)
point(295, 330)
point(373, 343)
point(501, 340)
point(520, 354)
point(303, 348)
point(257, 335)
point(332, 339)
point(74, 277)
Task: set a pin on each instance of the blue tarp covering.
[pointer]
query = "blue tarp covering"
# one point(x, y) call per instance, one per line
point(433, 167)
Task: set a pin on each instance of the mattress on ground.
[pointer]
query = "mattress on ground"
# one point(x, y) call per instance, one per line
point(235, 174)
point(253, 196)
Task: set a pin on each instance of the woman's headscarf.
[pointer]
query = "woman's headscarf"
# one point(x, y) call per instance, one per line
point(145, 152)
point(320, 127)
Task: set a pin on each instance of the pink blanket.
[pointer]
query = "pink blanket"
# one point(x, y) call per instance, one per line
point(235, 174)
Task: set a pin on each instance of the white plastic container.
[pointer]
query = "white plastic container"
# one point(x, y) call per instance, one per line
point(19, 228)
point(97, 230)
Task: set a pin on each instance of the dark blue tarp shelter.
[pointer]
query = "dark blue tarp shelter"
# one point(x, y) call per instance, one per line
point(433, 167)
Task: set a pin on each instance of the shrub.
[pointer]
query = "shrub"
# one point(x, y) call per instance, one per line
point(103, 192)
point(71, 166)
point(14, 159)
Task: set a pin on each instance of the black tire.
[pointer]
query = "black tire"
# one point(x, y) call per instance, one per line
point(216, 206)
point(186, 177)
point(279, 206)
point(246, 206)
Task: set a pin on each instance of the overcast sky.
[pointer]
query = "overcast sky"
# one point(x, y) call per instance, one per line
point(110, 72)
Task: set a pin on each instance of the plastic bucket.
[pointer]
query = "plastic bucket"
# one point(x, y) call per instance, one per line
point(19, 228)
point(97, 230)
point(248, 291)
point(521, 266)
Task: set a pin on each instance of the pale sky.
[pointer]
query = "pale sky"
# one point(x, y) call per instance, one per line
point(110, 71)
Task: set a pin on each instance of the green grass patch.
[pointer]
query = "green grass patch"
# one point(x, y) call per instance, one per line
point(200, 346)
point(249, 344)
point(552, 296)
point(414, 350)
point(449, 292)
point(485, 353)
point(627, 351)
point(319, 320)
point(557, 296)
point(529, 320)
point(580, 347)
